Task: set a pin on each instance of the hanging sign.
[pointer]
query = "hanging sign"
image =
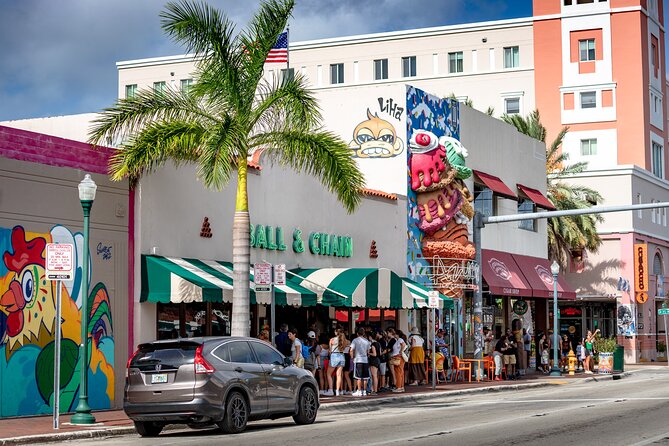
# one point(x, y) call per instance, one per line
point(520, 307)
point(640, 268)
point(280, 274)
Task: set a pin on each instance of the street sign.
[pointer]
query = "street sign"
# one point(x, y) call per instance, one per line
point(663, 311)
point(262, 274)
point(59, 261)
point(433, 299)
point(280, 274)
point(641, 297)
point(263, 288)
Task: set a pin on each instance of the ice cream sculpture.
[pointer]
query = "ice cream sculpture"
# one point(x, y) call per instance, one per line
point(437, 167)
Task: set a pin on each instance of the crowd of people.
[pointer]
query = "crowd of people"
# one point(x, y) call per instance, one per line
point(368, 362)
point(364, 363)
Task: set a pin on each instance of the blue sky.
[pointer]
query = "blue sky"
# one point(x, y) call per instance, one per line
point(58, 57)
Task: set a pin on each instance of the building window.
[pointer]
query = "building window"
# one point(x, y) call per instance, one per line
point(484, 200)
point(657, 265)
point(455, 62)
point(639, 212)
point(588, 99)
point(287, 74)
point(512, 106)
point(511, 59)
point(588, 147)
point(337, 73)
point(658, 160)
point(586, 50)
point(380, 69)
point(527, 207)
point(654, 55)
point(409, 66)
point(130, 91)
point(186, 84)
point(159, 87)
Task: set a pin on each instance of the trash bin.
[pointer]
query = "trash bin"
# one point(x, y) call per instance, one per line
point(619, 359)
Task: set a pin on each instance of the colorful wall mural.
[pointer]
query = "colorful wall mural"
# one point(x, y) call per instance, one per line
point(438, 200)
point(27, 328)
point(375, 138)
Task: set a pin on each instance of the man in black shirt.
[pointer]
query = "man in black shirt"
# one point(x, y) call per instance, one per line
point(510, 356)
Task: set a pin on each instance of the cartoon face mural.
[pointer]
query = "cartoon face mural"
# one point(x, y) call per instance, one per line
point(439, 202)
point(27, 328)
point(375, 138)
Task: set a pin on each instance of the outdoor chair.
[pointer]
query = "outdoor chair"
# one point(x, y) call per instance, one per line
point(460, 366)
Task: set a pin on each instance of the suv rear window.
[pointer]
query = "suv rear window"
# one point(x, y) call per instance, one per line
point(169, 355)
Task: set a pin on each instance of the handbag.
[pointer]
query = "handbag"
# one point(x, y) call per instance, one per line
point(405, 354)
point(394, 361)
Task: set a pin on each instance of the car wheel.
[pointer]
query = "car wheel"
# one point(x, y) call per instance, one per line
point(148, 428)
point(307, 406)
point(236, 414)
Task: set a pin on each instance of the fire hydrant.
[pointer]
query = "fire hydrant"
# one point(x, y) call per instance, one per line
point(572, 362)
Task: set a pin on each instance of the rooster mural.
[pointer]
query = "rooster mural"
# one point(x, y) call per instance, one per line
point(27, 328)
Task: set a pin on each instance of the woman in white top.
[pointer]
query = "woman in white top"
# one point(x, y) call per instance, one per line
point(396, 361)
point(416, 358)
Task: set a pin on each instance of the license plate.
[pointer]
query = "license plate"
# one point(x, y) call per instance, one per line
point(159, 378)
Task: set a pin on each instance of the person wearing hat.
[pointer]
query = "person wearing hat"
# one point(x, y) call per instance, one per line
point(416, 358)
point(442, 353)
point(311, 362)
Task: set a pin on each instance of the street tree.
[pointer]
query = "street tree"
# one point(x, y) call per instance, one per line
point(230, 111)
point(566, 235)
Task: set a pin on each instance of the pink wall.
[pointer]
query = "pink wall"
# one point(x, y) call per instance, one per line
point(53, 151)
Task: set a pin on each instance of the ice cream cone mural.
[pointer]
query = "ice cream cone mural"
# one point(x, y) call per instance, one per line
point(439, 202)
point(27, 328)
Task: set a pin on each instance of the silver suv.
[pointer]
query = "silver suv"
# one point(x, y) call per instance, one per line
point(226, 381)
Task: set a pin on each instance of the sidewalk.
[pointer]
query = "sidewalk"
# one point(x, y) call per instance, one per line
point(30, 430)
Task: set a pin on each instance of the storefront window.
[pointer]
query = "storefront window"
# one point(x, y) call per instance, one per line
point(191, 320)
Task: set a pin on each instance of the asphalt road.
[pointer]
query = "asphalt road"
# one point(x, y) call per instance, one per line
point(633, 411)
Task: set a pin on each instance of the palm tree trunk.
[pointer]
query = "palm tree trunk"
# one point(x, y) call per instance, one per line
point(241, 257)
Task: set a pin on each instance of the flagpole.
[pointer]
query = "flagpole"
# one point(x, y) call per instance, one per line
point(288, 49)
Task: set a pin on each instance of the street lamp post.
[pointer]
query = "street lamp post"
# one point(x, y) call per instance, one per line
point(83, 415)
point(555, 371)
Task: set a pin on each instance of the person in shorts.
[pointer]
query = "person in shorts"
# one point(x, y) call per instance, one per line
point(510, 357)
point(337, 361)
point(360, 358)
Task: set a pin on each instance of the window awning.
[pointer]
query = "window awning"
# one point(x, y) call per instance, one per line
point(176, 280)
point(495, 184)
point(503, 276)
point(538, 273)
point(537, 197)
point(364, 288)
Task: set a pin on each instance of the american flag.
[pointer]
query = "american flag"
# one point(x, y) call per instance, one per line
point(279, 52)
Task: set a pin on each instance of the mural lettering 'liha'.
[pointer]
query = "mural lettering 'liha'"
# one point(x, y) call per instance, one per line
point(439, 202)
point(27, 328)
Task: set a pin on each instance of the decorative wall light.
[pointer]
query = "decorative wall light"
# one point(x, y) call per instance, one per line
point(373, 254)
point(206, 229)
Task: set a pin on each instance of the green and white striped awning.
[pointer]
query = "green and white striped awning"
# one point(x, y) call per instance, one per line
point(176, 280)
point(364, 288)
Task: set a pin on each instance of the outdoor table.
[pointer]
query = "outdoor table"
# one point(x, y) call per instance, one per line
point(480, 370)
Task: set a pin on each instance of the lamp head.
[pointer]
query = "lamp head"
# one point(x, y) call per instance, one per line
point(87, 189)
point(555, 268)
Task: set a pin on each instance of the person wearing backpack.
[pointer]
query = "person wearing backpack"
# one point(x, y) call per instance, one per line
point(296, 348)
point(309, 353)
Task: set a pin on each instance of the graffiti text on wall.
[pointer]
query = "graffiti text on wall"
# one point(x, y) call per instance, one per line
point(391, 107)
point(104, 251)
point(27, 323)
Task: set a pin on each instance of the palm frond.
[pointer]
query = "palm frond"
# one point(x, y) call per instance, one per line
point(129, 115)
point(286, 102)
point(157, 142)
point(318, 153)
point(220, 150)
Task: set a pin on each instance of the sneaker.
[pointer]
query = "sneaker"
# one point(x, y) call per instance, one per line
point(588, 372)
point(396, 390)
point(328, 393)
point(372, 393)
point(364, 393)
point(338, 393)
point(356, 393)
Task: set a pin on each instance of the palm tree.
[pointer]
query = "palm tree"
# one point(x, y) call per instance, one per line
point(565, 234)
point(230, 112)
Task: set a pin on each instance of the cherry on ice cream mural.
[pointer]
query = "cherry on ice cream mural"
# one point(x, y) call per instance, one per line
point(438, 200)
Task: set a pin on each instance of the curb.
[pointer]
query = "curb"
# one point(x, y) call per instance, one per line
point(325, 408)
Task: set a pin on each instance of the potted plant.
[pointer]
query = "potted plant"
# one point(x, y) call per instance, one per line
point(661, 349)
point(605, 348)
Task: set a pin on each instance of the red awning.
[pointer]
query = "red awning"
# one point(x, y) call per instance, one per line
point(537, 271)
point(537, 197)
point(503, 275)
point(495, 184)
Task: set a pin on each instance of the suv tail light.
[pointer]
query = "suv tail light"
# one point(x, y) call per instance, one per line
point(201, 364)
point(127, 366)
